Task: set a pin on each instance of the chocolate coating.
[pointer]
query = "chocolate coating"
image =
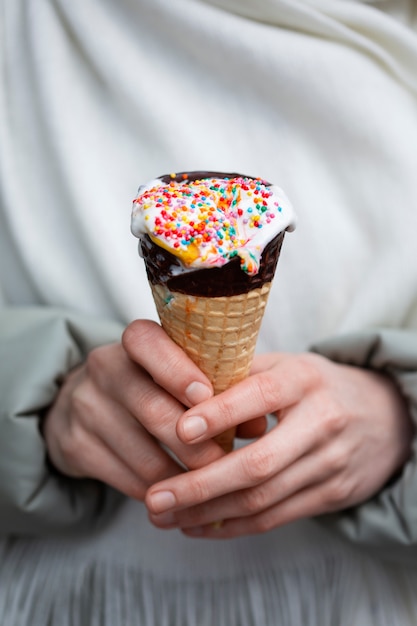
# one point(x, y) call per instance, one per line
point(164, 268)
point(180, 177)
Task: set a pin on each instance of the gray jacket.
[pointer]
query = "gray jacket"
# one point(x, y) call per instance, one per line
point(38, 346)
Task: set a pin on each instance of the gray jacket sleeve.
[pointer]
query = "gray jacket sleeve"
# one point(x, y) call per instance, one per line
point(38, 346)
point(388, 521)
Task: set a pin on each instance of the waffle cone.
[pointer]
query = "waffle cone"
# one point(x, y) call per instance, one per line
point(219, 334)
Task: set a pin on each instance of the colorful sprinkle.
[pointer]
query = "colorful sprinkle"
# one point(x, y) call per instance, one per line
point(207, 222)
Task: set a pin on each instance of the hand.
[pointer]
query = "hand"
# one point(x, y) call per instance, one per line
point(112, 412)
point(342, 432)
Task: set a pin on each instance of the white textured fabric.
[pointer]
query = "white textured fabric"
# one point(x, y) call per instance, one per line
point(318, 96)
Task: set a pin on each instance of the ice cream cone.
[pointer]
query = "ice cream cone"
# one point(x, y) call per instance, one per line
point(218, 334)
point(211, 243)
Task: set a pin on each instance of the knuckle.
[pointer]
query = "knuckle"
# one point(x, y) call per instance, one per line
point(265, 392)
point(96, 360)
point(154, 408)
point(105, 363)
point(128, 337)
point(227, 411)
point(139, 335)
point(336, 459)
point(339, 492)
point(150, 469)
point(264, 523)
point(171, 364)
point(253, 500)
point(83, 400)
point(150, 402)
point(310, 365)
point(86, 408)
point(72, 449)
point(198, 490)
point(335, 418)
point(259, 464)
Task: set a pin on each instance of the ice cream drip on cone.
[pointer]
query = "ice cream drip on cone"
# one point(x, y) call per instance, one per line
point(211, 242)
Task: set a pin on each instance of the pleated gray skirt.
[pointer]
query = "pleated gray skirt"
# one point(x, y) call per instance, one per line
point(132, 574)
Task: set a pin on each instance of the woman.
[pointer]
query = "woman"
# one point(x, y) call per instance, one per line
point(318, 97)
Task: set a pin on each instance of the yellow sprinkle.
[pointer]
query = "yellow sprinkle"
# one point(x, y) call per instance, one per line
point(173, 175)
point(190, 254)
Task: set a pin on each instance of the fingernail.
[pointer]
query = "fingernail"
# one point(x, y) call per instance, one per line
point(162, 501)
point(197, 392)
point(193, 427)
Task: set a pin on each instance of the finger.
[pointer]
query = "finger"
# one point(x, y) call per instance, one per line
point(129, 441)
point(147, 344)
point(158, 412)
point(250, 466)
point(105, 466)
point(306, 472)
point(152, 406)
point(266, 392)
point(262, 362)
point(86, 457)
point(307, 503)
